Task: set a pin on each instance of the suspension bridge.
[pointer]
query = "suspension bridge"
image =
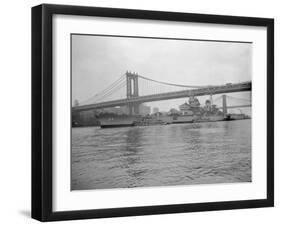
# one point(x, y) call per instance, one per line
point(132, 89)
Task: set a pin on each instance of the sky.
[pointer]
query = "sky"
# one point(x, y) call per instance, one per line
point(98, 61)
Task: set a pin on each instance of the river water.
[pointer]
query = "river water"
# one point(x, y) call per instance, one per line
point(161, 155)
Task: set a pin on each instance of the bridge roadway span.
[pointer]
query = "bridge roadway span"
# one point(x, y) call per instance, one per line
point(228, 88)
point(237, 106)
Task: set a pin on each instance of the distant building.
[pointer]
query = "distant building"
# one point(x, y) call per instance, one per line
point(144, 110)
point(164, 113)
point(76, 103)
point(124, 110)
point(155, 110)
point(117, 110)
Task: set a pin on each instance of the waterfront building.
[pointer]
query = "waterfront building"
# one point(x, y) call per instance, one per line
point(116, 110)
point(144, 109)
point(76, 103)
point(155, 110)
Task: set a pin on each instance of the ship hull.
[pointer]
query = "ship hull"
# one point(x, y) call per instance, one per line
point(117, 122)
point(182, 119)
point(212, 118)
point(115, 125)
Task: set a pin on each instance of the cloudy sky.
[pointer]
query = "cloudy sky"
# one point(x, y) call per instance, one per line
point(98, 61)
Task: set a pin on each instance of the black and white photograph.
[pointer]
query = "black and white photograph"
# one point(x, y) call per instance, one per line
point(148, 112)
point(154, 111)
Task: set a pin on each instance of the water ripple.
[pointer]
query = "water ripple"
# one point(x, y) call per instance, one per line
point(198, 153)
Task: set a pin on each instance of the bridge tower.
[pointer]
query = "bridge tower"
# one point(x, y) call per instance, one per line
point(224, 105)
point(132, 91)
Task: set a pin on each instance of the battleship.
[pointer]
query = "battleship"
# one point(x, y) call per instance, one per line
point(190, 112)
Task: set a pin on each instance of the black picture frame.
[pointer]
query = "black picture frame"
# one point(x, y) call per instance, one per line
point(42, 107)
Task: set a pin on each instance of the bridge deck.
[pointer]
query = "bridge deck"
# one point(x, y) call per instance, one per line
point(230, 88)
point(238, 106)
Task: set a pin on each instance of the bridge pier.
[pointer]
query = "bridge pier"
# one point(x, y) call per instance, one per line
point(224, 105)
point(133, 109)
point(132, 91)
point(136, 109)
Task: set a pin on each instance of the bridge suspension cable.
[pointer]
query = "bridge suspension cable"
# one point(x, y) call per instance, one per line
point(171, 84)
point(107, 91)
point(112, 85)
point(218, 98)
point(112, 91)
point(237, 98)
